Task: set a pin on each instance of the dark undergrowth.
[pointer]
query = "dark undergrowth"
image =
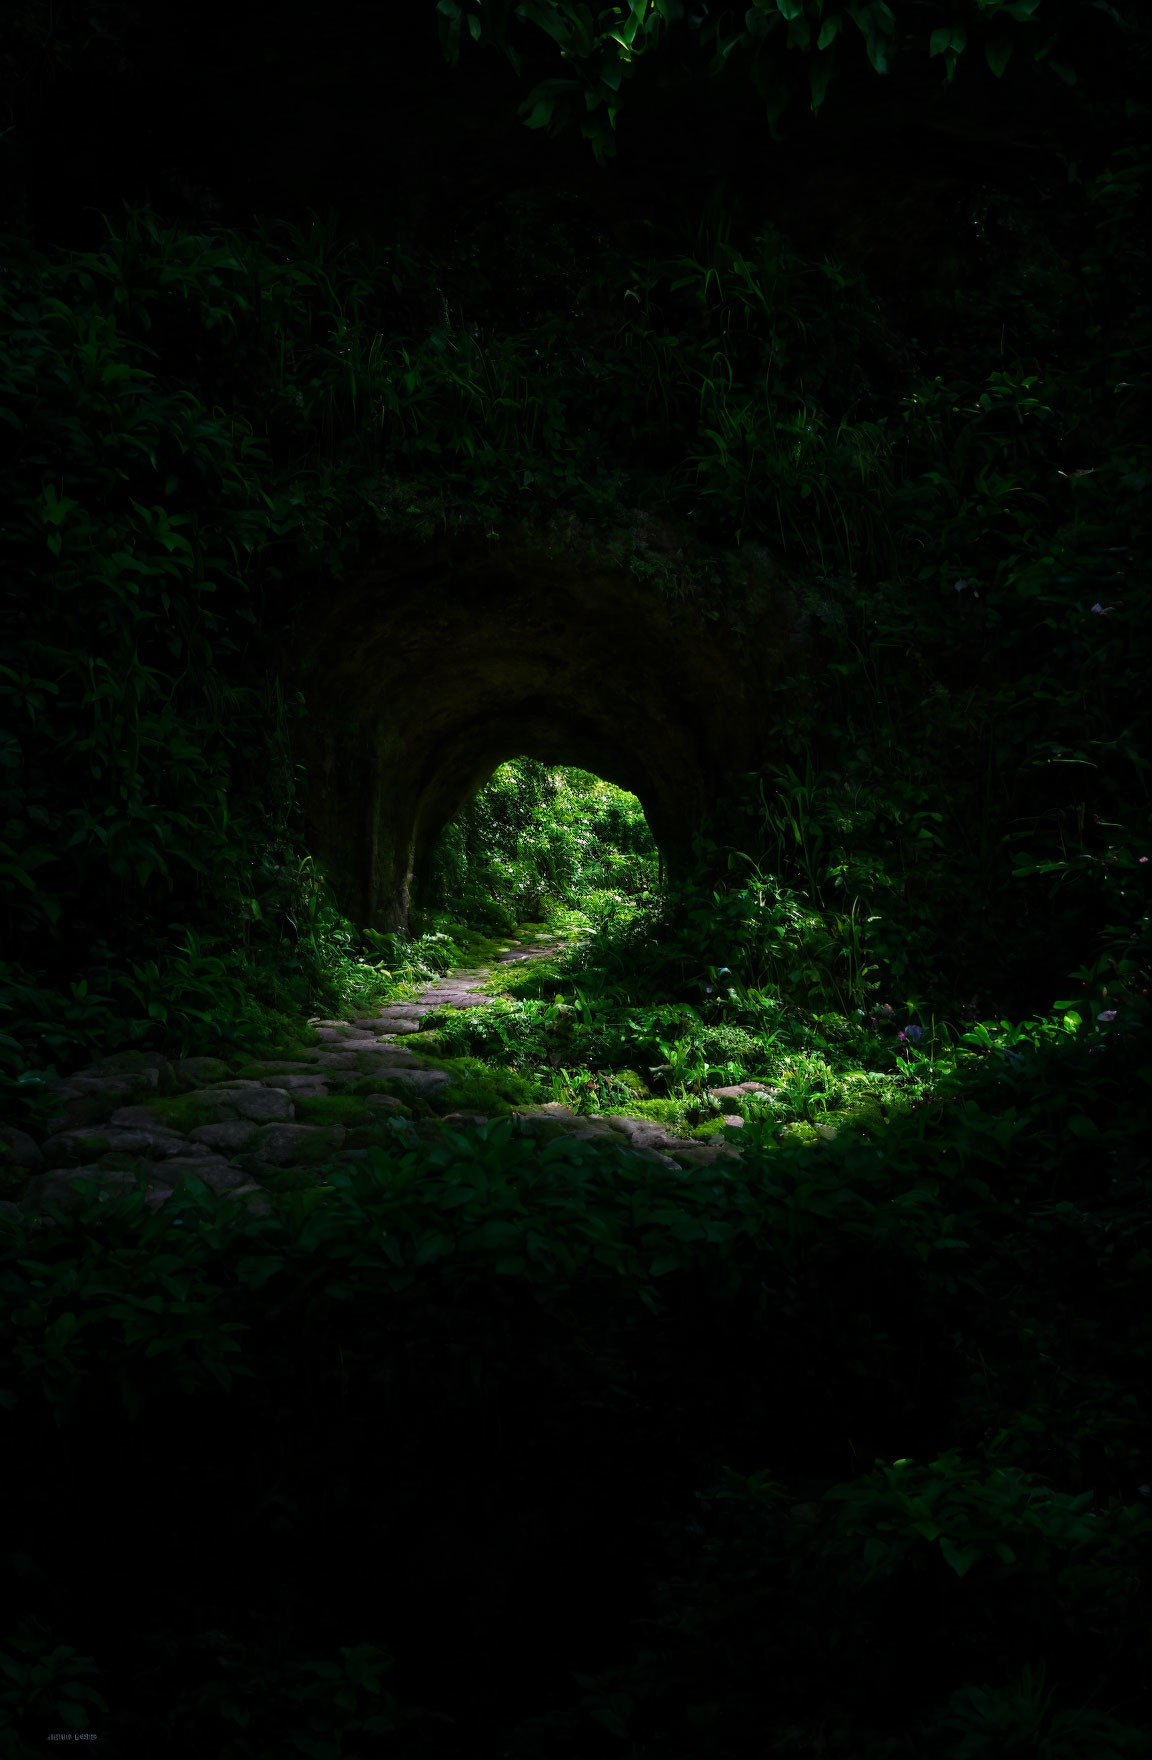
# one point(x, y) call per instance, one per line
point(485, 1447)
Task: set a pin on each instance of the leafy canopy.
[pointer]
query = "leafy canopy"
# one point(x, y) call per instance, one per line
point(600, 45)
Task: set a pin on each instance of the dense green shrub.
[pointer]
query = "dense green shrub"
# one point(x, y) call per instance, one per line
point(535, 837)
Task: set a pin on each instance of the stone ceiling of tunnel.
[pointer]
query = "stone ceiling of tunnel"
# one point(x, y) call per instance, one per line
point(440, 660)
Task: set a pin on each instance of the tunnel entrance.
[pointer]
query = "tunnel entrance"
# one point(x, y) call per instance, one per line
point(539, 843)
point(449, 658)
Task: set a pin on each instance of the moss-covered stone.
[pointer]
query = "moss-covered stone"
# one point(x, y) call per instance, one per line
point(345, 1109)
point(477, 1087)
point(377, 1085)
point(197, 1072)
point(185, 1112)
point(138, 1063)
point(255, 1072)
point(674, 1115)
point(293, 1144)
point(75, 1151)
point(79, 1110)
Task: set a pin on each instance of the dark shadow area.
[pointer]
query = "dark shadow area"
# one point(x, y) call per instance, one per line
point(574, 852)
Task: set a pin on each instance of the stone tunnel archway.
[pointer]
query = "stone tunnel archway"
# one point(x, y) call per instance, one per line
point(442, 660)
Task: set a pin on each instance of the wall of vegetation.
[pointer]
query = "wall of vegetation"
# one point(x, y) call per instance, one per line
point(198, 429)
point(536, 836)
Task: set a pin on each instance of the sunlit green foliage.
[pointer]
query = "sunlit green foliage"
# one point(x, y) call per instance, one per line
point(534, 839)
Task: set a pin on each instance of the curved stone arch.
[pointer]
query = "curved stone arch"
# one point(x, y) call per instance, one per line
point(443, 660)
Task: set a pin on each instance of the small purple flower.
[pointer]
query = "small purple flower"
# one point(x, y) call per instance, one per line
point(1108, 1014)
point(913, 1033)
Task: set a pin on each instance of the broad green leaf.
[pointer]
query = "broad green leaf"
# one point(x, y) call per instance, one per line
point(540, 116)
point(961, 1558)
point(559, 28)
point(998, 51)
point(255, 1270)
point(951, 37)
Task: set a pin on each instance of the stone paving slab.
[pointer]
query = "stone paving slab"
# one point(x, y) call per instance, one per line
point(301, 1087)
point(142, 1118)
point(215, 1170)
point(642, 1135)
point(229, 1138)
point(198, 1071)
point(282, 1144)
point(739, 1088)
point(262, 1105)
point(17, 1148)
point(155, 1144)
point(421, 1080)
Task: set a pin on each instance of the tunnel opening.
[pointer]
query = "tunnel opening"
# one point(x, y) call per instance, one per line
point(538, 844)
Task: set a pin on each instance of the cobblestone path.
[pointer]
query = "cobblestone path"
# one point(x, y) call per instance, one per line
point(249, 1126)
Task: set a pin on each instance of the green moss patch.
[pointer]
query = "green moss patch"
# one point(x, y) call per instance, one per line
point(415, 1104)
point(379, 1085)
point(119, 1161)
point(865, 1116)
point(204, 1070)
point(76, 1151)
point(345, 1109)
point(672, 1114)
point(514, 980)
point(477, 1087)
point(185, 1112)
